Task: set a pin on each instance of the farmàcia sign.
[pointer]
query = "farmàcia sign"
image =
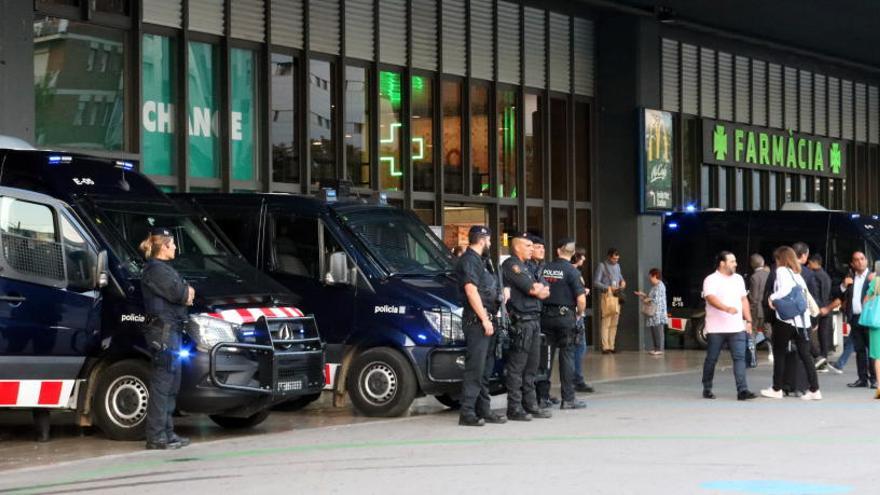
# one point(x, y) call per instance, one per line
point(736, 145)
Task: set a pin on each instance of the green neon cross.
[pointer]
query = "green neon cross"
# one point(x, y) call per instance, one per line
point(390, 140)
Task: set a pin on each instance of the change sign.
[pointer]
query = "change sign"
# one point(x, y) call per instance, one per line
point(737, 145)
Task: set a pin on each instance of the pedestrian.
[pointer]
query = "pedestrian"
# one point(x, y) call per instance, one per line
point(851, 293)
point(757, 283)
point(728, 320)
point(580, 350)
point(609, 281)
point(560, 311)
point(524, 307)
point(792, 329)
point(825, 331)
point(479, 284)
point(874, 331)
point(655, 300)
point(166, 297)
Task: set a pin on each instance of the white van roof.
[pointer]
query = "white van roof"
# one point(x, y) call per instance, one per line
point(14, 143)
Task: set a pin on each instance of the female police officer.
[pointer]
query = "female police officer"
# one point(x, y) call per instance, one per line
point(166, 296)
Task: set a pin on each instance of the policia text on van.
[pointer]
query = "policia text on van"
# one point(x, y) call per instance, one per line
point(67, 341)
point(376, 277)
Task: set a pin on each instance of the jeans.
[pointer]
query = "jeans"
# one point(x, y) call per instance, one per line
point(736, 342)
point(847, 352)
point(658, 335)
point(782, 334)
point(580, 351)
point(478, 367)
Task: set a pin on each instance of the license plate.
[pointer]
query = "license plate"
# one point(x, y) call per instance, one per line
point(289, 386)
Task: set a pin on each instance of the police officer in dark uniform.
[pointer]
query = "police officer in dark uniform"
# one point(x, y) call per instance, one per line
point(166, 296)
point(481, 299)
point(559, 316)
point(524, 307)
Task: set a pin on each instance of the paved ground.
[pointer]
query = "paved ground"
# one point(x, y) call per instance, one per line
point(646, 431)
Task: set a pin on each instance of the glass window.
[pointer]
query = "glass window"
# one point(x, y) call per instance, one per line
point(390, 170)
point(357, 125)
point(507, 145)
point(243, 118)
point(30, 240)
point(534, 108)
point(422, 133)
point(802, 193)
point(158, 116)
point(788, 190)
point(691, 170)
point(296, 245)
point(425, 211)
point(535, 220)
point(480, 139)
point(559, 217)
point(452, 125)
point(756, 190)
point(739, 189)
point(771, 187)
point(282, 119)
point(559, 149)
point(322, 107)
point(508, 225)
point(204, 105)
point(582, 234)
point(722, 188)
point(705, 191)
point(80, 260)
point(582, 151)
point(70, 94)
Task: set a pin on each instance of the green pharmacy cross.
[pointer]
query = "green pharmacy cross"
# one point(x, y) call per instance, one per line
point(390, 140)
point(719, 143)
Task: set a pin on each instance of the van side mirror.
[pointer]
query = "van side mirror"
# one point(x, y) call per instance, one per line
point(338, 270)
point(102, 271)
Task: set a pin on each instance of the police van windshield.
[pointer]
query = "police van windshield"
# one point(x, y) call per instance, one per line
point(125, 223)
point(402, 245)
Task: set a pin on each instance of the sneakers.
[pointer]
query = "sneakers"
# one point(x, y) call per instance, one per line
point(823, 369)
point(820, 361)
point(772, 394)
point(834, 368)
point(707, 394)
point(817, 395)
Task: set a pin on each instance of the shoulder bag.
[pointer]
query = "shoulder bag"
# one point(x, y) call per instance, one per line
point(870, 316)
point(610, 304)
point(792, 304)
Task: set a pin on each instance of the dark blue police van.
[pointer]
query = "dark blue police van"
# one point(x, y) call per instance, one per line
point(71, 313)
point(691, 241)
point(376, 277)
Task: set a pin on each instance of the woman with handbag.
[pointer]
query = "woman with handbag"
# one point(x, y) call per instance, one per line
point(654, 309)
point(870, 318)
point(789, 301)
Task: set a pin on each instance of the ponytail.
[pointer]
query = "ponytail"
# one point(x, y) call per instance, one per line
point(152, 244)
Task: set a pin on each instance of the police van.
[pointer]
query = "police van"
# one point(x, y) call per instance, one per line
point(692, 239)
point(376, 277)
point(71, 312)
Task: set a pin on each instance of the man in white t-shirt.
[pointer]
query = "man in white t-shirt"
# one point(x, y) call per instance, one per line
point(728, 319)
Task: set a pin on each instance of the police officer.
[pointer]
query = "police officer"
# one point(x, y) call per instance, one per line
point(559, 315)
point(539, 254)
point(166, 296)
point(479, 285)
point(524, 307)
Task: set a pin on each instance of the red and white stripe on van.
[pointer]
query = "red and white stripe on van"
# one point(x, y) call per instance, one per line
point(677, 324)
point(250, 315)
point(37, 393)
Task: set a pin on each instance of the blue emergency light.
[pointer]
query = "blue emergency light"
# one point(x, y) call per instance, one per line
point(57, 159)
point(672, 225)
point(125, 165)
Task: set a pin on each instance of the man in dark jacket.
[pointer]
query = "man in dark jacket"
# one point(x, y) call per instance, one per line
point(825, 331)
point(851, 293)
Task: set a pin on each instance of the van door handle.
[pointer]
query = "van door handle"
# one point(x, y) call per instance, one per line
point(13, 299)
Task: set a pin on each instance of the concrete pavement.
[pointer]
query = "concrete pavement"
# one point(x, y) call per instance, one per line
point(648, 434)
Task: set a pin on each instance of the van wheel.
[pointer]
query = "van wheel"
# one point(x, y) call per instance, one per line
point(297, 404)
point(232, 423)
point(450, 401)
point(381, 383)
point(697, 330)
point(121, 398)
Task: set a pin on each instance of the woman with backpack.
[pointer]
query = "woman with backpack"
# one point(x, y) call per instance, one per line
point(789, 301)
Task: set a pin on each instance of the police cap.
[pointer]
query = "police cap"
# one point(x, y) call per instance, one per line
point(480, 230)
point(522, 235)
point(160, 231)
point(536, 239)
